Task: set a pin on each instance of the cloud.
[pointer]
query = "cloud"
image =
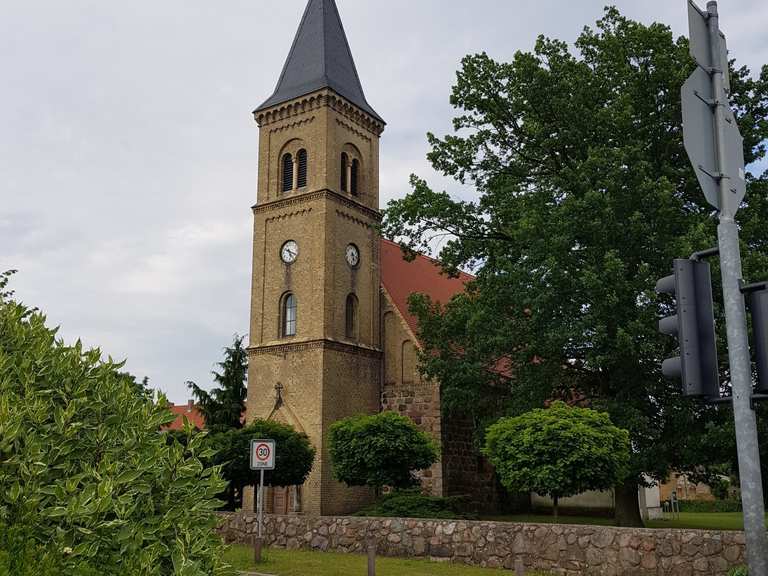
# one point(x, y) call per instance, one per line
point(128, 154)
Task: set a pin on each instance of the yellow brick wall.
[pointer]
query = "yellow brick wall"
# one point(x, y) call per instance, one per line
point(325, 375)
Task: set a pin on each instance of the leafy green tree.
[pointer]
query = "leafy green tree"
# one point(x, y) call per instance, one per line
point(560, 451)
point(584, 197)
point(87, 484)
point(380, 450)
point(223, 407)
point(293, 459)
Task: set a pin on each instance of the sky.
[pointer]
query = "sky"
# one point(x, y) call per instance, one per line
point(128, 152)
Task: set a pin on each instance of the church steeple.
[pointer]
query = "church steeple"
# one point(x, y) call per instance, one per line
point(320, 58)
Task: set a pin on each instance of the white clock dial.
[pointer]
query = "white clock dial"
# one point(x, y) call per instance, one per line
point(353, 255)
point(289, 252)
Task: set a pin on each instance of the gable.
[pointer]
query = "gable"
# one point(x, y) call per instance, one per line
point(401, 278)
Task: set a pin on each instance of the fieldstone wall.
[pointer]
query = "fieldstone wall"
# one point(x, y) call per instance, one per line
point(560, 549)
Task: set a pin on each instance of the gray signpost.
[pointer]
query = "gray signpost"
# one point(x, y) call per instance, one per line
point(716, 150)
point(262, 459)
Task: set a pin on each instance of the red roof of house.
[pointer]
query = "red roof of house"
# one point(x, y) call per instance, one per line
point(424, 276)
point(189, 410)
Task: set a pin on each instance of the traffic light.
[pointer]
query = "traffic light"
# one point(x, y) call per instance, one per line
point(758, 307)
point(694, 327)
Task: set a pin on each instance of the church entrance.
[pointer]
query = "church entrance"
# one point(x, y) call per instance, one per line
point(283, 500)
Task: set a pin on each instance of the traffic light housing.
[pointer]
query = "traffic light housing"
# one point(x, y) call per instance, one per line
point(758, 307)
point(694, 327)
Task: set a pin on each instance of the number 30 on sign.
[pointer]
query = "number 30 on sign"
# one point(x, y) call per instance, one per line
point(262, 454)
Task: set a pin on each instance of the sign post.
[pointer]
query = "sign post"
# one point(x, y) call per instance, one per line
point(262, 459)
point(716, 150)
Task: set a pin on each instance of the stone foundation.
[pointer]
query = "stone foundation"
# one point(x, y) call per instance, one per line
point(560, 549)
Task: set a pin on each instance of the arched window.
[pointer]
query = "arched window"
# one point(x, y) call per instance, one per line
point(353, 177)
point(351, 316)
point(344, 164)
point(287, 173)
point(288, 316)
point(301, 179)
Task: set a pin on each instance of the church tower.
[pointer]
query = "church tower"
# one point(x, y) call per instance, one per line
point(315, 352)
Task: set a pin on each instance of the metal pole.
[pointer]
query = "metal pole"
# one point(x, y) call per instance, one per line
point(738, 342)
point(258, 542)
point(261, 504)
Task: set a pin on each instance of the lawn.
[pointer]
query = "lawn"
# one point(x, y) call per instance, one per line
point(300, 563)
point(697, 520)
point(704, 521)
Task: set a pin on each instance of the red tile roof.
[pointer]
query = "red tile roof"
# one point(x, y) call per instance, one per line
point(189, 410)
point(402, 278)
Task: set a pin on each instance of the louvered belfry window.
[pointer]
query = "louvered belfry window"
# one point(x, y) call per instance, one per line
point(302, 177)
point(353, 183)
point(344, 164)
point(287, 173)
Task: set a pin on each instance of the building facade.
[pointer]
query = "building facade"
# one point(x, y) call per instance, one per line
point(330, 332)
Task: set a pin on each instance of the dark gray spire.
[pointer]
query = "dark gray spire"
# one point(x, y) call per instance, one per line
point(320, 58)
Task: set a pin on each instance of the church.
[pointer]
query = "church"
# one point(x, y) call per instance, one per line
point(330, 332)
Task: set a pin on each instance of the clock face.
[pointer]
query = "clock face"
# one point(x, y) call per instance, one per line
point(289, 252)
point(353, 255)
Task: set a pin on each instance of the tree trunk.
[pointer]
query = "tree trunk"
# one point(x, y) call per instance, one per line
point(628, 505)
point(556, 500)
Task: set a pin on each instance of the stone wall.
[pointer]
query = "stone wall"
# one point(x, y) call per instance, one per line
point(465, 471)
point(565, 550)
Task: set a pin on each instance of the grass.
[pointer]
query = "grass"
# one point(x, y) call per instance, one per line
point(704, 521)
point(300, 563)
point(687, 520)
point(547, 519)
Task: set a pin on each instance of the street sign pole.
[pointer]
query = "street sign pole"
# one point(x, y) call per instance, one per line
point(261, 505)
point(262, 456)
point(736, 325)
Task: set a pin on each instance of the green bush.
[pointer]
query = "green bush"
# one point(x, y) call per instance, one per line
point(88, 484)
point(380, 450)
point(414, 504)
point(740, 571)
point(708, 507)
point(721, 488)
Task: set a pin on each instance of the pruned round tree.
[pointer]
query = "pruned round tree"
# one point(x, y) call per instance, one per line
point(294, 456)
point(559, 451)
point(88, 485)
point(385, 449)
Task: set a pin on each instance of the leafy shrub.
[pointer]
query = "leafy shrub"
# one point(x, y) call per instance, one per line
point(88, 484)
point(720, 487)
point(380, 450)
point(707, 507)
point(414, 504)
point(740, 571)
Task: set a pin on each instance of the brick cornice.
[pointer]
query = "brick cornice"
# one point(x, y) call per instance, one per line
point(299, 199)
point(315, 100)
point(321, 344)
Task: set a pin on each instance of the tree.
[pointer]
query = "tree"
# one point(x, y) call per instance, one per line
point(380, 450)
point(560, 451)
point(223, 407)
point(294, 456)
point(585, 195)
point(87, 484)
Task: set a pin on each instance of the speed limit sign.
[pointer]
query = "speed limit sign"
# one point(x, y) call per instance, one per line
point(262, 454)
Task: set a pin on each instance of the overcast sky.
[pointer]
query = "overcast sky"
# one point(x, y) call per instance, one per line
point(128, 152)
